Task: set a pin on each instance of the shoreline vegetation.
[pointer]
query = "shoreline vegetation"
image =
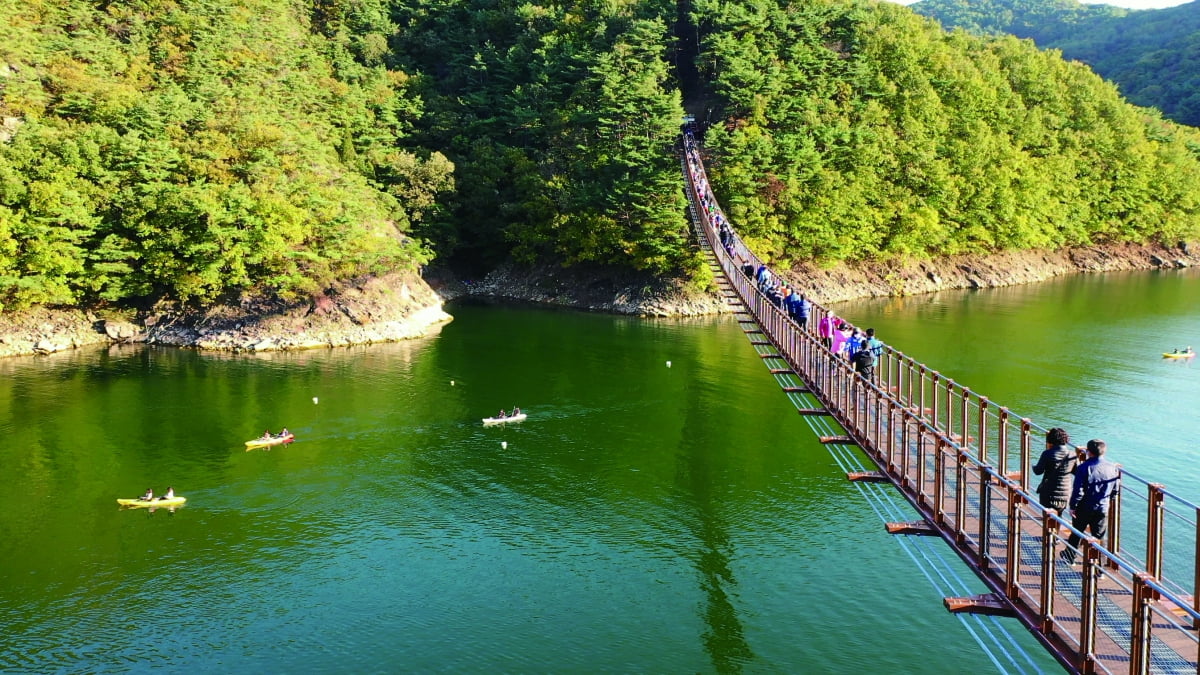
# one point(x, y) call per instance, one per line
point(404, 306)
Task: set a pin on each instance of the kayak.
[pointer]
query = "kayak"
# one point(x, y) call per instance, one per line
point(488, 421)
point(1178, 355)
point(274, 440)
point(159, 501)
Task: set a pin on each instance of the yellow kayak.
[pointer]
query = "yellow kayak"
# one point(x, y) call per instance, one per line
point(274, 440)
point(1178, 355)
point(159, 501)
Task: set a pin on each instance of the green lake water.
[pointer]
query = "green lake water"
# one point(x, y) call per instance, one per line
point(644, 519)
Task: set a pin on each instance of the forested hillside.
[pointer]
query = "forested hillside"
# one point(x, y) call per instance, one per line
point(857, 130)
point(561, 119)
point(197, 149)
point(1152, 55)
point(202, 150)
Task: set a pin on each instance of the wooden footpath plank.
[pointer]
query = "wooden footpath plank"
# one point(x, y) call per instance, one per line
point(991, 604)
point(812, 411)
point(782, 371)
point(837, 440)
point(918, 527)
point(866, 477)
point(797, 390)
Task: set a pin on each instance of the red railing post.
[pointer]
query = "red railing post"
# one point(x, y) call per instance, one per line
point(921, 393)
point(1025, 465)
point(1139, 642)
point(981, 442)
point(1154, 530)
point(949, 409)
point(1012, 563)
point(1089, 596)
point(960, 497)
point(935, 377)
point(1113, 536)
point(965, 427)
point(985, 514)
point(1046, 599)
point(1002, 440)
point(939, 481)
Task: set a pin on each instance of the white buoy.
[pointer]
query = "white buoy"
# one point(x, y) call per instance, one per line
point(314, 400)
point(504, 444)
point(668, 364)
point(451, 383)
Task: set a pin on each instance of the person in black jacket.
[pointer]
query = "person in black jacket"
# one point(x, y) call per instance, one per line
point(1057, 467)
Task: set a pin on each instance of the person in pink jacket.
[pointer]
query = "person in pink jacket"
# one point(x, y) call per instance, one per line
point(826, 327)
point(840, 337)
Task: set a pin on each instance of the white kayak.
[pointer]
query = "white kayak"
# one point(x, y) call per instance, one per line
point(489, 421)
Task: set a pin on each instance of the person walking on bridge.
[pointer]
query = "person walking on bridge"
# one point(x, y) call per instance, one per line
point(1096, 481)
point(1056, 465)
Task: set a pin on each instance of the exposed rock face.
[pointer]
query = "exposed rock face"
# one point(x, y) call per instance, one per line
point(595, 289)
point(402, 305)
point(394, 307)
point(847, 282)
point(383, 309)
point(44, 331)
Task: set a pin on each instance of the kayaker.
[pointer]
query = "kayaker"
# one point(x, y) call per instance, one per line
point(284, 433)
point(149, 496)
point(170, 494)
point(266, 435)
point(516, 411)
point(502, 414)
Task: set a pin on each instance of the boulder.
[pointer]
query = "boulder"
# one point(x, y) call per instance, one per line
point(121, 331)
point(45, 346)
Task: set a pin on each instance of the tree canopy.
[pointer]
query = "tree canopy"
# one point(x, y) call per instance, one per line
point(1153, 56)
point(199, 150)
point(857, 130)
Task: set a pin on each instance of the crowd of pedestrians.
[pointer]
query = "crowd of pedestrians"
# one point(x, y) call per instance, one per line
point(861, 348)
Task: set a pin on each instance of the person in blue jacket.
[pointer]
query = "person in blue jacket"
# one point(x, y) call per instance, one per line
point(1097, 480)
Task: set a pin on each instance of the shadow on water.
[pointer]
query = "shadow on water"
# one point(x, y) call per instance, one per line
point(724, 638)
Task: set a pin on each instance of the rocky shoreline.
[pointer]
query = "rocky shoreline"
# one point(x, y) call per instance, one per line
point(403, 306)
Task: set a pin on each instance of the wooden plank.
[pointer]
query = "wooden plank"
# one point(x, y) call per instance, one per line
point(796, 390)
point(750, 330)
point(866, 477)
point(838, 440)
point(991, 604)
point(764, 343)
point(747, 321)
point(812, 411)
point(771, 356)
point(782, 371)
point(919, 527)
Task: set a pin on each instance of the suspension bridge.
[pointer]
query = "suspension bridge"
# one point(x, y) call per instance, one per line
point(963, 463)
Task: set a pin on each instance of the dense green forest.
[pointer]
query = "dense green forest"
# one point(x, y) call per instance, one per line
point(196, 150)
point(201, 150)
point(854, 131)
point(193, 150)
point(561, 119)
point(1152, 55)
